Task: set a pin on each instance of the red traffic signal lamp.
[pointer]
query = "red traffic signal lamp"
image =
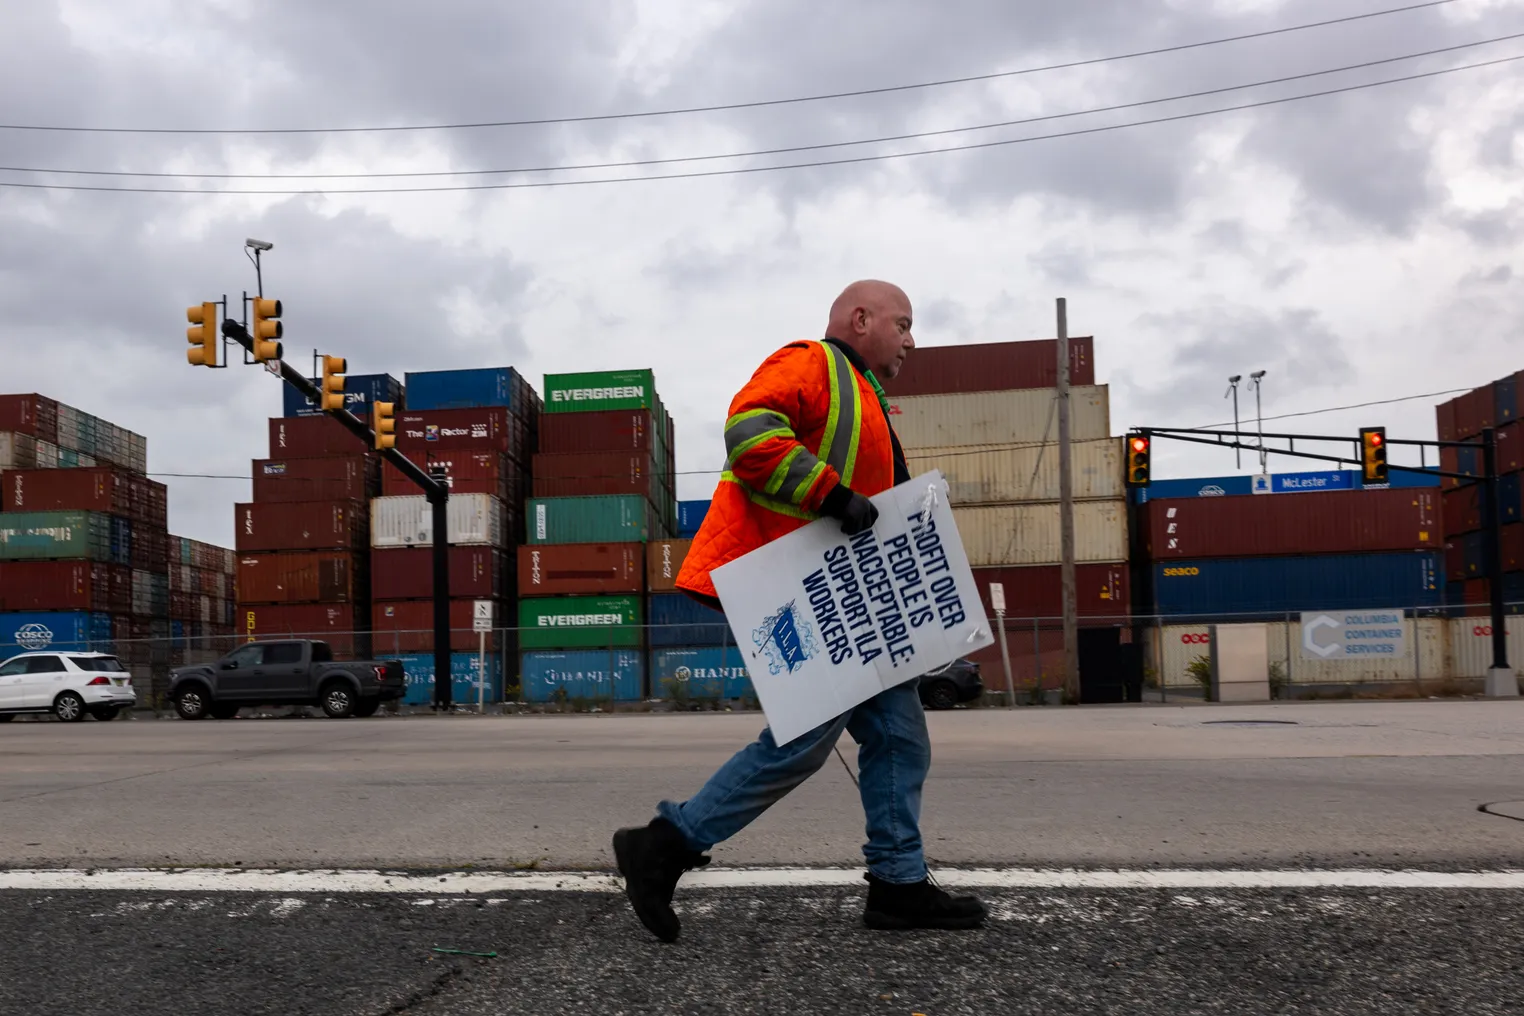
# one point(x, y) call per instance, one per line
point(267, 329)
point(1373, 455)
point(1138, 446)
point(202, 335)
point(334, 369)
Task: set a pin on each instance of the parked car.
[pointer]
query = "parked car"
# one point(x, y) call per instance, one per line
point(958, 682)
point(68, 685)
point(294, 672)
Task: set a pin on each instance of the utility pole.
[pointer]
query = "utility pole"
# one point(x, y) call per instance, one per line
point(1501, 682)
point(1259, 417)
point(1238, 455)
point(1066, 512)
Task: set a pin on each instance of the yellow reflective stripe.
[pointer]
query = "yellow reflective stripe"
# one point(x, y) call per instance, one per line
point(803, 490)
point(775, 482)
point(766, 502)
point(844, 426)
point(750, 413)
point(752, 442)
point(833, 415)
point(857, 431)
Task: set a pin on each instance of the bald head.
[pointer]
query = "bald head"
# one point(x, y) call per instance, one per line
point(874, 318)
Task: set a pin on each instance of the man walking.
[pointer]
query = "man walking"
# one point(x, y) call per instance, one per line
point(809, 436)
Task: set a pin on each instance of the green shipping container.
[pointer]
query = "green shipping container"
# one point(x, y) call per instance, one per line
point(36, 536)
point(621, 518)
point(600, 390)
point(581, 622)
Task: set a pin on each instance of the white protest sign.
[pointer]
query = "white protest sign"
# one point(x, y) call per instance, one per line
point(825, 621)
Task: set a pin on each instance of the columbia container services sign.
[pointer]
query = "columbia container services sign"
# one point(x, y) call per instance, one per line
point(826, 622)
point(1343, 634)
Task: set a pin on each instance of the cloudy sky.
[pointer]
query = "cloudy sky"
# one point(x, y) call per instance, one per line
point(1358, 247)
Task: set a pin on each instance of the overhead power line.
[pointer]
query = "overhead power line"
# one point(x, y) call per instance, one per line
point(637, 163)
point(722, 107)
point(1340, 409)
point(539, 184)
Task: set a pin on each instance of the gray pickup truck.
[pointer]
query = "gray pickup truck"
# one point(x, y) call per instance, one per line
point(294, 672)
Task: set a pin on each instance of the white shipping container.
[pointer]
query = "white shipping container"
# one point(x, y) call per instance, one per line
point(47, 455)
point(220, 585)
point(1471, 645)
point(1023, 534)
point(17, 451)
point(1018, 417)
point(142, 593)
point(408, 521)
point(1173, 647)
point(180, 579)
point(1009, 475)
point(68, 428)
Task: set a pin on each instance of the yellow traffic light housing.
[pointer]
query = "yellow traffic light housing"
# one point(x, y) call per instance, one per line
point(1137, 460)
point(1373, 455)
point(334, 369)
point(267, 329)
point(203, 336)
point(384, 423)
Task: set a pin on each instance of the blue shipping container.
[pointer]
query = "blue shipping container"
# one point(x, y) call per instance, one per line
point(76, 631)
point(705, 672)
point(1278, 585)
point(465, 389)
point(360, 390)
point(690, 515)
point(616, 674)
point(121, 540)
point(677, 620)
point(1505, 394)
point(1511, 496)
point(418, 670)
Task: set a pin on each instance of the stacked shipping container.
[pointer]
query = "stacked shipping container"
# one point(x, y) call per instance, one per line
point(603, 491)
point(1463, 418)
point(480, 427)
point(84, 541)
point(986, 417)
point(202, 594)
point(303, 562)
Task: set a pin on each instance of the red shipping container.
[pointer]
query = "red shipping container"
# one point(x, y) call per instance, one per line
point(297, 577)
point(1101, 590)
point(407, 573)
point(149, 549)
point(1444, 420)
point(340, 478)
point(473, 430)
point(991, 366)
point(1478, 598)
point(1473, 412)
point(311, 437)
point(98, 489)
point(344, 627)
point(1513, 547)
point(1463, 510)
point(30, 414)
point(558, 569)
point(65, 585)
point(617, 430)
point(407, 626)
point(578, 474)
point(1330, 522)
point(491, 473)
point(301, 525)
point(1455, 560)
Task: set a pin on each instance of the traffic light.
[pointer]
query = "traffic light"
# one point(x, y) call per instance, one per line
point(334, 369)
point(1373, 454)
point(266, 329)
point(203, 337)
point(384, 424)
point(1137, 460)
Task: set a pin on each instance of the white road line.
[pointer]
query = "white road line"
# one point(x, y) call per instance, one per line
point(477, 882)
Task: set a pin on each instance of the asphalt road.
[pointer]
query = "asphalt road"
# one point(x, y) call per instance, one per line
point(1136, 952)
point(1380, 783)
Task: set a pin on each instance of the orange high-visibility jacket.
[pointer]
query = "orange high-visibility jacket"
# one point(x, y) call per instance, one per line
point(806, 421)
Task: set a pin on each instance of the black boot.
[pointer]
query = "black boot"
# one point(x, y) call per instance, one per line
point(652, 858)
point(918, 905)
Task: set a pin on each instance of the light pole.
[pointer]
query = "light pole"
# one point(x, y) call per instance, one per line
point(1257, 377)
point(258, 247)
point(1238, 455)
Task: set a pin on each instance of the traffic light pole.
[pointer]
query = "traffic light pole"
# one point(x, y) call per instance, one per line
point(436, 490)
point(1501, 681)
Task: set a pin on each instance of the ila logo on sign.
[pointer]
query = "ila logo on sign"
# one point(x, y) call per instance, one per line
point(787, 639)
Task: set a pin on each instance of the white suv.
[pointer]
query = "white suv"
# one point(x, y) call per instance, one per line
point(68, 685)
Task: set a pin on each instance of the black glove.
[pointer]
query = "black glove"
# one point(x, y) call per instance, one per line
point(857, 513)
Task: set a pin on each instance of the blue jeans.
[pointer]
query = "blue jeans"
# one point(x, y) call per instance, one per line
point(893, 756)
